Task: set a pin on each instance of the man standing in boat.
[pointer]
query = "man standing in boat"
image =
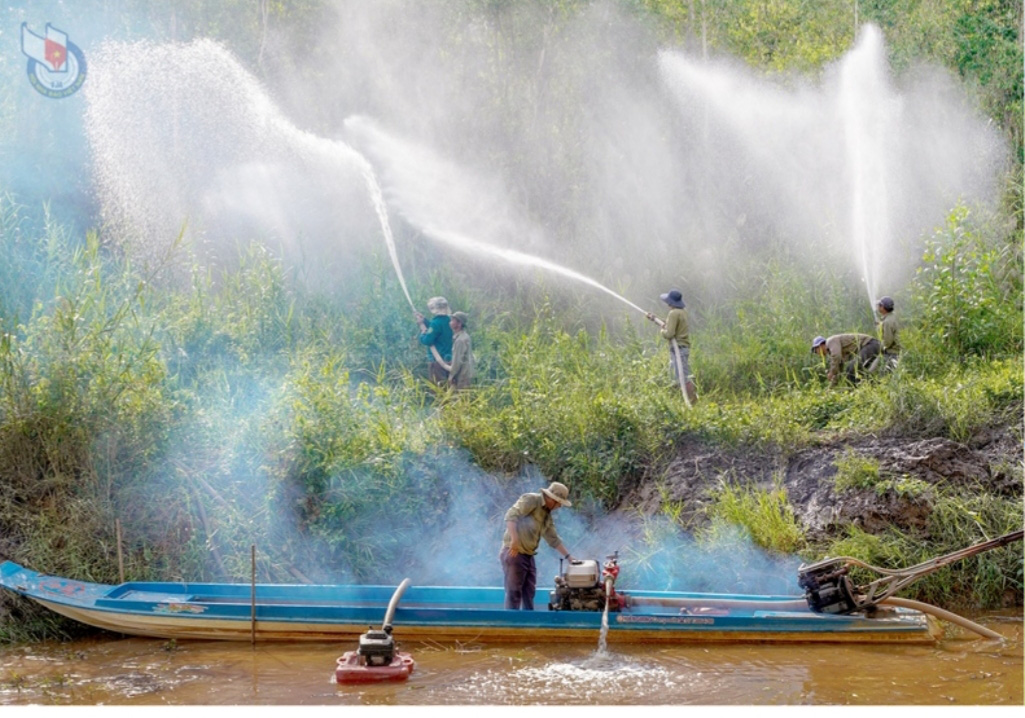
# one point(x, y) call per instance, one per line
point(526, 523)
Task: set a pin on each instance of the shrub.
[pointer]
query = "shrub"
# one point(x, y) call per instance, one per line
point(968, 300)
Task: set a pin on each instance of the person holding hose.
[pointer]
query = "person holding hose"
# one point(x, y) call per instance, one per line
point(888, 331)
point(675, 328)
point(437, 337)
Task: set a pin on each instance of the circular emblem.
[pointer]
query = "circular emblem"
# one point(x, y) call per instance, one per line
point(56, 67)
point(59, 84)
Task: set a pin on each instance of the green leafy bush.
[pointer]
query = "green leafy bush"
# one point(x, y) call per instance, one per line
point(968, 300)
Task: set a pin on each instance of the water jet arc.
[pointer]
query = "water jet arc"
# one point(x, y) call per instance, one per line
point(467, 244)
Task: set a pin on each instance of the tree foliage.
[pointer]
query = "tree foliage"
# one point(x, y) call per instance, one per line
point(968, 291)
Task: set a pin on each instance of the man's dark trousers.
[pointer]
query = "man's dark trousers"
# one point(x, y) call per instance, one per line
point(520, 580)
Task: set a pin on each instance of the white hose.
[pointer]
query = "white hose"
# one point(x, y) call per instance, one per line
point(945, 615)
point(675, 348)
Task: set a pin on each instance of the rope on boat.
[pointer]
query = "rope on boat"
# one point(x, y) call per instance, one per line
point(252, 594)
point(941, 613)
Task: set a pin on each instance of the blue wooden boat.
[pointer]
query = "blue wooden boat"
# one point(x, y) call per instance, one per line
point(283, 612)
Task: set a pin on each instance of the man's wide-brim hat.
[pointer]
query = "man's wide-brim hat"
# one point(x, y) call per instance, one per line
point(557, 492)
point(817, 342)
point(462, 318)
point(673, 298)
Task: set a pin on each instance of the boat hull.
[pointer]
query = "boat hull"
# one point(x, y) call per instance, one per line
point(274, 612)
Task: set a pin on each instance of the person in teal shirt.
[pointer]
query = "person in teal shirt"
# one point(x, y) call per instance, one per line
point(437, 337)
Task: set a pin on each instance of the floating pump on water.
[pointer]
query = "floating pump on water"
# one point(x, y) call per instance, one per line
point(376, 658)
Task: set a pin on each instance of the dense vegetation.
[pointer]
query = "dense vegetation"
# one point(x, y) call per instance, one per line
point(243, 408)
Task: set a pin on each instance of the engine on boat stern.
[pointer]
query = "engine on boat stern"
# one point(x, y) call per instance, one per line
point(582, 586)
point(828, 588)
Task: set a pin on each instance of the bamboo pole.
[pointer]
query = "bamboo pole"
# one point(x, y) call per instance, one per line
point(120, 557)
point(252, 594)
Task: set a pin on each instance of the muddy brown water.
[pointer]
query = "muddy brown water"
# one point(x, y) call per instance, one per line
point(960, 670)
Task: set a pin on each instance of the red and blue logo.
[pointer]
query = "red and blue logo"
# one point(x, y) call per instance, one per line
point(56, 67)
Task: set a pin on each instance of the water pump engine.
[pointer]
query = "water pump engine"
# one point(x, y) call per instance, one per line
point(376, 648)
point(582, 586)
point(828, 588)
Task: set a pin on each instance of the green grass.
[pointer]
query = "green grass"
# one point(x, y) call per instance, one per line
point(854, 471)
point(765, 514)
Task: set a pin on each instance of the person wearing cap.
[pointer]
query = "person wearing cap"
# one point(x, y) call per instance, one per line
point(526, 523)
point(888, 330)
point(460, 371)
point(437, 337)
point(856, 351)
point(676, 327)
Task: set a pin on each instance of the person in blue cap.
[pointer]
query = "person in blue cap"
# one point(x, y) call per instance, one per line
point(675, 327)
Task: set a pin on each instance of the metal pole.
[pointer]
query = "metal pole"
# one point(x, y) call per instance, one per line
point(252, 594)
point(120, 558)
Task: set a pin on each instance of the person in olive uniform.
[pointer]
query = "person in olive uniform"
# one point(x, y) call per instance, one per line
point(461, 370)
point(675, 327)
point(888, 337)
point(851, 353)
point(526, 523)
